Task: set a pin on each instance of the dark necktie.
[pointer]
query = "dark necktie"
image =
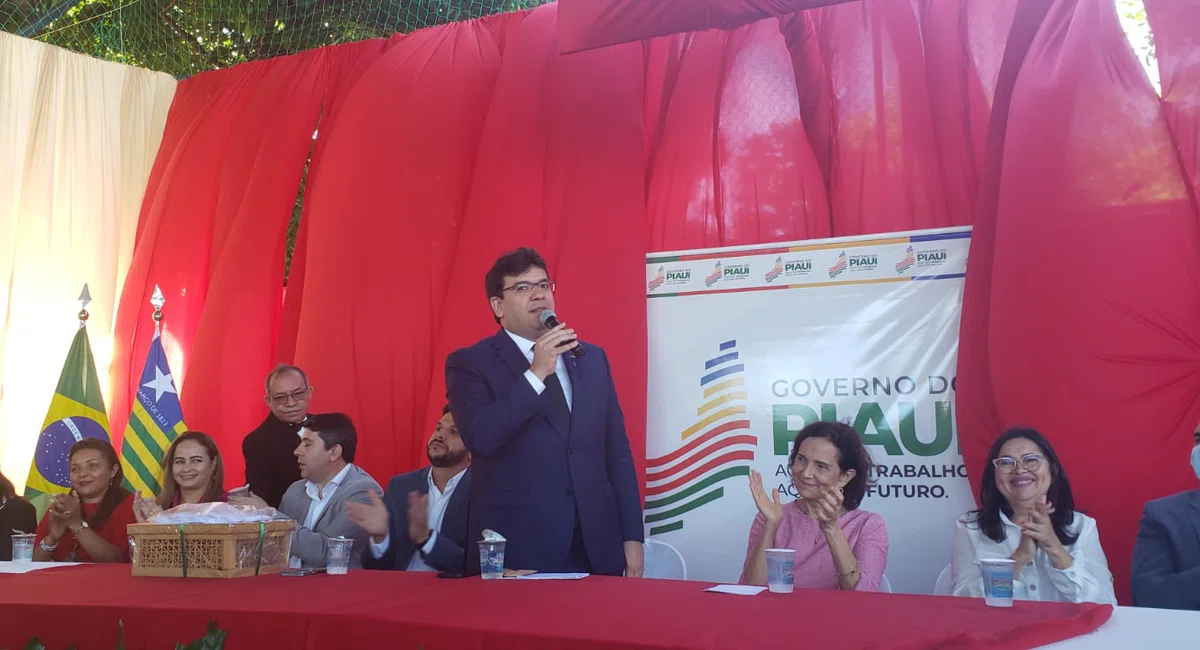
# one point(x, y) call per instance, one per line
point(556, 407)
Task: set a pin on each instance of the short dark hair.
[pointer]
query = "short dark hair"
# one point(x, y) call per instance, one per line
point(851, 455)
point(511, 265)
point(446, 408)
point(335, 429)
point(279, 370)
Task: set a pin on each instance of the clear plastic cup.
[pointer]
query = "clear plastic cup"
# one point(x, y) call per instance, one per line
point(491, 560)
point(337, 555)
point(781, 565)
point(22, 547)
point(997, 582)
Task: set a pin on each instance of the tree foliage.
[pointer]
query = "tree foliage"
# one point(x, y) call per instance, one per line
point(184, 37)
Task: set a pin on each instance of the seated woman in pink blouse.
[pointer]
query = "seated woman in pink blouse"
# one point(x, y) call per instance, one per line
point(837, 545)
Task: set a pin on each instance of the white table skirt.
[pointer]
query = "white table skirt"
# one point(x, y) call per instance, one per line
point(1139, 627)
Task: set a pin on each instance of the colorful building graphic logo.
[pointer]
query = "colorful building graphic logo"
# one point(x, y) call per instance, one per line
point(714, 276)
point(838, 266)
point(659, 279)
point(718, 447)
point(907, 262)
point(776, 270)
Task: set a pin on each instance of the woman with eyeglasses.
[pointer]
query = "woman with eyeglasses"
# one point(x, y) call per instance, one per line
point(1027, 513)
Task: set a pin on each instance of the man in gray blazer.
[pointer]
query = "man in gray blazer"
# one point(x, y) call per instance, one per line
point(1166, 556)
point(421, 523)
point(329, 481)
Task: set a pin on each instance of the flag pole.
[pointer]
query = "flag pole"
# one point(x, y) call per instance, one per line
point(85, 299)
point(157, 300)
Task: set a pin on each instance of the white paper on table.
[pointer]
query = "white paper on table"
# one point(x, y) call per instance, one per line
point(737, 590)
point(27, 567)
point(551, 576)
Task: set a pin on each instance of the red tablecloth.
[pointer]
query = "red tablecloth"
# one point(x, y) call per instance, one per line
point(81, 606)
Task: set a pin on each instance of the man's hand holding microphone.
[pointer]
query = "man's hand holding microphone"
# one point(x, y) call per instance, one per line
point(553, 343)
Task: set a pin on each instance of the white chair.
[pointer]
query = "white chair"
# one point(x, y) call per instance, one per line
point(663, 561)
point(943, 586)
point(885, 587)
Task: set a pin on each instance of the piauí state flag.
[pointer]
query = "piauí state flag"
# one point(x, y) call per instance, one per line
point(76, 412)
point(155, 421)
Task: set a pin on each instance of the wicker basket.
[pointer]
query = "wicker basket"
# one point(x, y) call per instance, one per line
point(213, 550)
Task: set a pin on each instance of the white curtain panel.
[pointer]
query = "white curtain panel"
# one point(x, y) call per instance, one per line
point(78, 137)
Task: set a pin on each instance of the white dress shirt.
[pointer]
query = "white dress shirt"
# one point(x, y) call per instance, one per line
point(435, 512)
point(320, 499)
point(1086, 580)
point(560, 368)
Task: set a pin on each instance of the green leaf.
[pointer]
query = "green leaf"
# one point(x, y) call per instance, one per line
point(34, 644)
point(214, 639)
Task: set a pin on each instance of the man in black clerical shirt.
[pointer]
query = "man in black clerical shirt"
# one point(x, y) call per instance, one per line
point(270, 449)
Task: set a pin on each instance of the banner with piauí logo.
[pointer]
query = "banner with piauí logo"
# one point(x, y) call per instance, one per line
point(748, 345)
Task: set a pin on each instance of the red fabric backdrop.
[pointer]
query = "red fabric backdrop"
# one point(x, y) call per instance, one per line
point(212, 235)
point(384, 213)
point(585, 24)
point(440, 149)
point(1079, 316)
point(728, 159)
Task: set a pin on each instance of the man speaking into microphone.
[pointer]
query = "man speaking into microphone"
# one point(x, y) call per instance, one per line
point(537, 408)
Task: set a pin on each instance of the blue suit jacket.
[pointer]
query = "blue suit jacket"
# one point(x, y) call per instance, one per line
point(447, 554)
point(1166, 556)
point(531, 479)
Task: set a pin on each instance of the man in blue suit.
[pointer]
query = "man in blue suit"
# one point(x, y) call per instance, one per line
point(421, 522)
point(553, 472)
point(1166, 556)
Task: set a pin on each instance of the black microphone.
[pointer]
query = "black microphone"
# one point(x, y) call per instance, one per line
point(550, 321)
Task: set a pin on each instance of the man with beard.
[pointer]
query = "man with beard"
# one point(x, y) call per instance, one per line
point(420, 524)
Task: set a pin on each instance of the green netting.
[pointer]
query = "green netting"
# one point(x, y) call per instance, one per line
point(184, 37)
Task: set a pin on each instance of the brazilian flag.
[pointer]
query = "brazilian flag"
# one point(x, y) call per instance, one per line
point(76, 412)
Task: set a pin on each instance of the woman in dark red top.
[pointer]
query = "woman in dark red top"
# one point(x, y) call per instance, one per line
point(192, 472)
point(88, 523)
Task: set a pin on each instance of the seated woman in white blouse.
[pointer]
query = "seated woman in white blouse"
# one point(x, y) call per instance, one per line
point(1027, 513)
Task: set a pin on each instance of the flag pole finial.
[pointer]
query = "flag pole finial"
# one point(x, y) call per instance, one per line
point(85, 298)
point(157, 301)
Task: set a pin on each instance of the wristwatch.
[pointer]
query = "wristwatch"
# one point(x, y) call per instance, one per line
point(81, 526)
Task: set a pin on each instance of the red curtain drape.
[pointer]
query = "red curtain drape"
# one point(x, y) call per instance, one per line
point(228, 158)
point(1177, 41)
point(1079, 315)
point(742, 124)
point(729, 162)
point(907, 111)
point(383, 211)
point(212, 235)
point(347, 63)
point(586, 24)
